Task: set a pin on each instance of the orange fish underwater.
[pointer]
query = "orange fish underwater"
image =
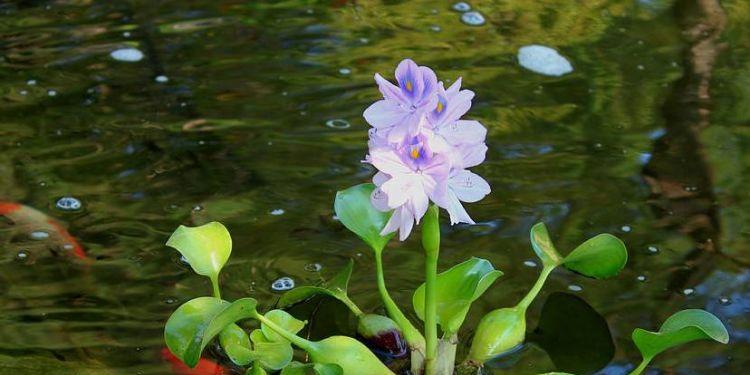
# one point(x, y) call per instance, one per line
point(29, 220)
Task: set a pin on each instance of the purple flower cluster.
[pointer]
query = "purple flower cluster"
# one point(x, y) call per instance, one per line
point(422, 149)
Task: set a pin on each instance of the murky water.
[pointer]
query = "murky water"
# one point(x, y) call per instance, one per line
point(152, 114)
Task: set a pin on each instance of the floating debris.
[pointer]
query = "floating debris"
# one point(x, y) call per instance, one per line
point(338, 124)
point(282, 284)
point(574, 288)
point(277, 212)
point(127, 55)
point(473, 18)
point(161, 79)
point(313, 267)
point(543, 60)
point(68, 204)
point(39, 235)
point(461, 7)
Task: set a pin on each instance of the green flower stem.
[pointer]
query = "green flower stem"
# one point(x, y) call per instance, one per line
point(431, 244)
point(526, 301)
point(215, 285)
point(305, 345)
point(411, 334)
point(641, 367)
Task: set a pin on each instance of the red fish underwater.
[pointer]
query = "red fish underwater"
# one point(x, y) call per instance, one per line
point(204, 366)
point(39, 226)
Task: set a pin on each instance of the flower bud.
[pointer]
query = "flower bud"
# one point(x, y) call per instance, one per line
point(382, 335)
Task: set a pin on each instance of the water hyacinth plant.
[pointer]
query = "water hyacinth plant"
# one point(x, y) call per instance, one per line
point(422, 150)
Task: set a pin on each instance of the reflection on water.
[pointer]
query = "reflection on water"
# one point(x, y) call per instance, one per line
point(154, 114)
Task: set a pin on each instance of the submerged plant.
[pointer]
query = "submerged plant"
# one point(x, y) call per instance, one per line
point(422, 151)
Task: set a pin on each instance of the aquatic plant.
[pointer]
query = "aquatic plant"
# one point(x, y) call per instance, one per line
point(422, 151)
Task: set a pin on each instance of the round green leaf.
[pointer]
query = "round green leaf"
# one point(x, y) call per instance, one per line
point(206, 248)
point(256, 370)
point(192, 326)
point(680, 328)
point(600, 257)
point(272, 355)
point(284, 320)
point(356, 212)
point(236, 344)
point(543, 246)
point(457, 288)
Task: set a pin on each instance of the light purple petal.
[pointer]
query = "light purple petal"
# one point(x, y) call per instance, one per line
point(419, 204)
point(387, 161)
point(407, 73)
point(429, 82)
point(468, 186)
point(379, 200)
point(455, 87)
point(471, 155)
point(380, 178)
point(393, 223)
point(389, 90)
point(463, 132)
point(407, 223)
point(456, 210)
point(385, 113)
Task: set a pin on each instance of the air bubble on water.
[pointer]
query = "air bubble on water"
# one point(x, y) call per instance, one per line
point(126, 34)
point(653, 249)
point(436, 28)
point(726, 301)
point(543, 60)
point(574, 288)
point(473, 18)
point(278, 212)
point(313, 267)
point(282, 284)
point(338, 124)
point(68, 204)
point(641, 278)
point(161, 79)
point(22, 255)
point(68, 247)
point(529, 263)
point(51, 92)
point(461, 7)
point(127, 55)
point(364, 40)
point(345, 71)
point(24, 92)
point(39, 235)
point(42, 183)
point(197, 208)
point(640, 67)
point(31, 82)
point(170, 300)
point(688, 291)
point(626, 228)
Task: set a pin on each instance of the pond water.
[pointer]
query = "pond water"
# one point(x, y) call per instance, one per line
point(151, 114)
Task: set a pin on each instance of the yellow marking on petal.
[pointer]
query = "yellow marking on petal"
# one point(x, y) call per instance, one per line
point(440, 107)
point(408, 86)
point(414, 153)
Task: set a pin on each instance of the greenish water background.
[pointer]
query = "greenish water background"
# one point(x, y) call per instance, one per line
point(647, 139)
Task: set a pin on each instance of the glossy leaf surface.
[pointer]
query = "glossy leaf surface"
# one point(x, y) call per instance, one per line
point(600, 257)
point(335, 288)
point(206, 248)
point(457, 288)
point(680, 328)
point(356, 212)
point(192, 326)
point(543, 246)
